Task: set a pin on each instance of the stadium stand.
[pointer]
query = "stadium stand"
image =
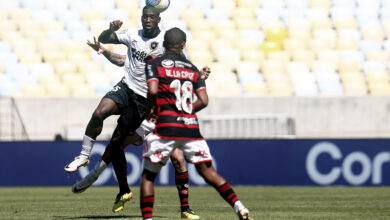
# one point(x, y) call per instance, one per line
point(268, 47)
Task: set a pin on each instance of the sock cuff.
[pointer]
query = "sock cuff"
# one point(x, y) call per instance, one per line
point(181, 175)
point(147, 199)
point(222, 188)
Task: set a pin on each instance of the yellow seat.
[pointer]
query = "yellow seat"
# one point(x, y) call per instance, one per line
point(97, 78)
point(48, 79)
point(323, 66)
point(306, 56)
point(78, 57)
point(295, 66)
point(248, 4)
point(273, 66)
point(321, 24)
point(64, 66)
point(200, 56)
point(270, 46)
point(29, 25)
point(70, 79)
point(247, 67)
point(347, 44)
point(52, 26)
point(253, 55)
point(280, 89)
point(199, 25)
point(372, 33)
point(83, 91)
point(90, 67)
point(349, 65)
point(355, 88)
point(57, 90)
point(258, 88)
point(379, 88)
point(53, 56)
point(29, 57)
point(294, 44)
point(91, 14)
point(127, 5)
point(377, 55)
point(191, 14)
point(377, 76)
point(35, 35)
point(71, 45)
point(329, 55)
point(33, 90)
point(320, 4)
point(276, 34)
point(279, 55)
point(386, 27)
point(352, 77)
point(345, 23)
point(19, 14)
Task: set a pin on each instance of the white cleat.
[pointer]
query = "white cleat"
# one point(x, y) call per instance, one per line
point(85, 183)
point(243, 213)
point(76, 163)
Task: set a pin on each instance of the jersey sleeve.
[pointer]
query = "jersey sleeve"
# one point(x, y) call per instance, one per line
point(151, 71)
point(124, 37)
point(200, 85)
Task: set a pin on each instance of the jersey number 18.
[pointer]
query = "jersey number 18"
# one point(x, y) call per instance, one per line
point(183, 93)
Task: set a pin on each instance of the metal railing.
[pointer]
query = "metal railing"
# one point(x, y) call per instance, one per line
point(12, 127)
point(247, 126)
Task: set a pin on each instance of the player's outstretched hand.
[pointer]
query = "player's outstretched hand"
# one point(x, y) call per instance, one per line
point(115, 25)
point(96, 46)
point(205, 72)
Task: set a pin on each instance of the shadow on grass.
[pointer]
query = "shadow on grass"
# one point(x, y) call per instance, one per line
point(104, 217)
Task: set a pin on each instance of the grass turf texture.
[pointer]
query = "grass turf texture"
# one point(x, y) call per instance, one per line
point(263, 203)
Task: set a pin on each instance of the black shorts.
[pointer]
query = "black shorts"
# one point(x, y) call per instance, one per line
point(131, 106)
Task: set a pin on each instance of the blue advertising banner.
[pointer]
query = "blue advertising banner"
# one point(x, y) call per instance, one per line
point(353, 162)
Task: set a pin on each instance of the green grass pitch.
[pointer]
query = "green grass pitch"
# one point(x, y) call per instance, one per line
point(263, 203)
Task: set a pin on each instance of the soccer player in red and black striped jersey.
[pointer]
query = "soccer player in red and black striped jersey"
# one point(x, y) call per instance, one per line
point(173, 82)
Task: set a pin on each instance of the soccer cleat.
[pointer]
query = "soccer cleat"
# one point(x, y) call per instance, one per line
point(189, 214)
point(76, 163)
point(120, 201)
point(85, 183)
point(243, 213)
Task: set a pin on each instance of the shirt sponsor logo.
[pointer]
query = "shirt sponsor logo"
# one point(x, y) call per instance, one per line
point(167, 63)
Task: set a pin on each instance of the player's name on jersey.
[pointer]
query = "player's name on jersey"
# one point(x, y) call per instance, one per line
point(177, 73)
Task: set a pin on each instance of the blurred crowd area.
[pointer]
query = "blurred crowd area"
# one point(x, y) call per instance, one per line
point(254, 47)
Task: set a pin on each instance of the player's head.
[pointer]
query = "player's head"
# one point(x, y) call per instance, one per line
point(149, 19)
point(174, 40)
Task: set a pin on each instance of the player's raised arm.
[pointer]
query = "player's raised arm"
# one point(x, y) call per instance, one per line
point(114, 58)
point(202, 101)
point(109, 36)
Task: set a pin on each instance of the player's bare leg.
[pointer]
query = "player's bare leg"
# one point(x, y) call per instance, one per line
point(93, 175)
point(106, 108)
point(210, 175)
point(147, 194)
point(182, 184)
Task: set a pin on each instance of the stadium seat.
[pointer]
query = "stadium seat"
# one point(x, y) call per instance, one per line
point(377, 55)
point(253, 55)
point(33, 90)
point(38, 69)
point(96, 79)
point(367, 45)
point(90, 67)
point(321, 23)
point(320, 4)
point(30, 57)
point(295, 66)
point(347, 44)
point(355, 89)
point(270, 46)
point(322, 66)
point(304, 84)
point(82, 91)
point(249, 4)
point(64, 66)
point(256, 89)
point(279, 89)
point(70, 79)
point(18, 14)
point(349, 65)
point(276, 34)
point(305, 56)
point(279, 55)
point(273, 66)
point(291, 45)
point(247, 67)
point(350, 34)
point(57, 90)
point(345, 23)
point(379, 88)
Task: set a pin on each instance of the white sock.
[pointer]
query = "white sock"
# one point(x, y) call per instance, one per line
point(237, 205)
point(98, 169)
point(148, 219)
point(87, 146)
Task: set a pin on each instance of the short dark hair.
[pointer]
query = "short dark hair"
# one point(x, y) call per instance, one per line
point(152, 9)
point(174, 37)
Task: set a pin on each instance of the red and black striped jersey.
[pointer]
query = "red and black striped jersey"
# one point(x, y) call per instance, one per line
point(179, 80)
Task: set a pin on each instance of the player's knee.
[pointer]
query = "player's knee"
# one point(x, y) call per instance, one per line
point(148, 175)
point(178, 163)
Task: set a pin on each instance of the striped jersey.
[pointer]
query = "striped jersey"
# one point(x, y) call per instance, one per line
point(179, 80)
